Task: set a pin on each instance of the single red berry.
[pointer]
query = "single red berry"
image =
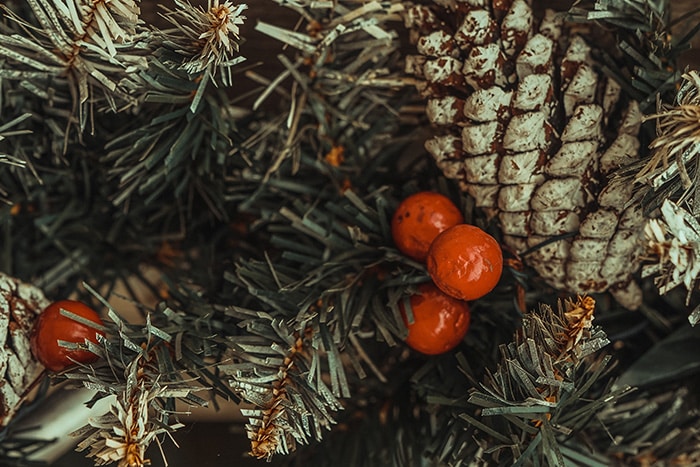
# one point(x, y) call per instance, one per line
point(439, 321)
point(419, 219)
point(51, 326)
point(465, 262)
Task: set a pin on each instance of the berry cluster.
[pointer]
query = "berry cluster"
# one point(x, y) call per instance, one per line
point(464, 262)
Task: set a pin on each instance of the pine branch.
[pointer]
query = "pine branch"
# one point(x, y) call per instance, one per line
point(330, 281)
point(321, 187)
point(147, 367)
point(74, 53)
point(124, 434)
point(291, 407)
point(649, 428)
point(176, 154)
point(15, 161)
point(323, 301)
point(382, 426)
point(644, 42)
point(346, 70)
point(186, 133)
point(547, 388)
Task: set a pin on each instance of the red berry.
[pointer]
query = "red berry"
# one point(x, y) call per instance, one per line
point(52, 326)
point(439, 321)
point(465, 262)
point(419, 219)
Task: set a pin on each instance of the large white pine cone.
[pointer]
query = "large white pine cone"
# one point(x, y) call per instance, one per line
point(533, 132)
point(20, 304)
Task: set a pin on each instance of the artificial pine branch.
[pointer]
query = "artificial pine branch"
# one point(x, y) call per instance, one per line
point(10, 160)
point(547, 389)
point(291, 408)
point(651, 428)
point(124, 434)
point(324, 289)
point(644, 41)
point(346, 71)
point(148, 367)
point(73, 54)
point(71, 211)
point(183, 142)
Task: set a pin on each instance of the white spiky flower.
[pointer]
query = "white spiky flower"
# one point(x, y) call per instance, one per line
point(674, 245)
point(675, 149)
point(206, 37)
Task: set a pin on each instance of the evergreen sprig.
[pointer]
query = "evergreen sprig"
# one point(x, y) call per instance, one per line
point(204, 40)
point(182, 143)
point(643, 40)
point(658, 427)
point(10, 158)
point(546, 390)
point(73, 56)
point(147, 367)
point(339, 279)
point(345, 72)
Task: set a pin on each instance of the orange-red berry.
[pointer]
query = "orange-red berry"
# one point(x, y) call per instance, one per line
point(51, 326)
point(465, 262)
point(440, 322)
point(419, 219)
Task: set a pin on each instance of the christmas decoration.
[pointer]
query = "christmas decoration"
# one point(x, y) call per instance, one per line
point(219, 180)
point(436, 322)
point(59, 332)
point(532, 131)
point(419, 219)
point(539, 396)
point(465, 262)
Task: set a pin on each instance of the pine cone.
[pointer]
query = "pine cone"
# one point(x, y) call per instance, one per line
point(533, 132)
point(20, 304)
